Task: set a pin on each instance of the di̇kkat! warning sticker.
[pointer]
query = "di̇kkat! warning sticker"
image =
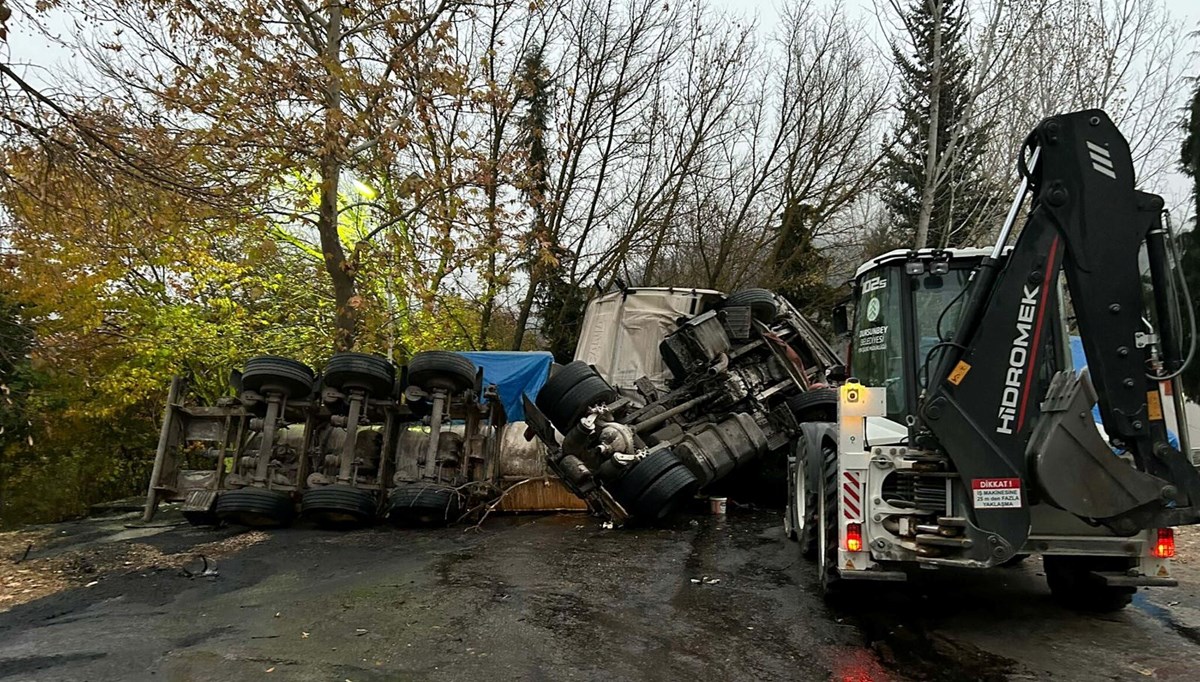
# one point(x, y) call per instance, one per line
point(996, 493)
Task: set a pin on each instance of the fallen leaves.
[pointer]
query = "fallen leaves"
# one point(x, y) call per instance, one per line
point(35, 577)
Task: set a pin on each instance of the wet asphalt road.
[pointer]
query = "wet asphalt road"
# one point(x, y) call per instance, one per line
point(558, 597)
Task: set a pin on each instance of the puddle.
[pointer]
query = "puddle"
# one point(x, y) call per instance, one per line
point(1166, 617)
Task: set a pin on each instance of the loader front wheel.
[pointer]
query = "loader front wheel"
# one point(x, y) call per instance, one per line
point(810, 452)
point(828, 579)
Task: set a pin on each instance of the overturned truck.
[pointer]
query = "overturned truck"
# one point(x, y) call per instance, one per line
point(674, 390)
point(362, 439)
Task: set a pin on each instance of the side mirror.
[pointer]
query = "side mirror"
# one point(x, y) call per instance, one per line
point(841, 320)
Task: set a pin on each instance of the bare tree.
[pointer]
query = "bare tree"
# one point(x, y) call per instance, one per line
point(808, 138)
point(1127, 57)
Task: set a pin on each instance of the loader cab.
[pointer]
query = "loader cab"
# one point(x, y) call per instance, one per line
point(904, 303)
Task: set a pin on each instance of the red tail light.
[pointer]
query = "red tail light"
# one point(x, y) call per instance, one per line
point(1164, 546)
point(854, 538)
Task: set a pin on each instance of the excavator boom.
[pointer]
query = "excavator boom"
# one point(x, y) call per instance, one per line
point(996, 407)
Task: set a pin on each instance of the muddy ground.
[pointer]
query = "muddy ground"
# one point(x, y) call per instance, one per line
point(542, 598)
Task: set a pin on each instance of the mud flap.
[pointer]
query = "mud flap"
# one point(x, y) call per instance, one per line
point(538, 422)
point(1075, 470)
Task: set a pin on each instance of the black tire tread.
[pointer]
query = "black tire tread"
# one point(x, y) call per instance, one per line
point(327, 505)
point(293, 376)
point(818, 404)
point(562, 380)
point(665, 495)
point(441, 368)
point(642, 475)
point(763, 305)
point(1072, 584)
point(575, 403)
point(374, 373)
point(236, 506)
point(828, 579)
point(813, 463)
point(423, 504)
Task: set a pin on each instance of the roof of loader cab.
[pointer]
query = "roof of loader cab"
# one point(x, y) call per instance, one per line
point(922, 254)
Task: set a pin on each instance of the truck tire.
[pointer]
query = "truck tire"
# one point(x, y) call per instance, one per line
point(574, 404)
point(270, 373)
point(570, 391)
point(338, 506)
point(255, 507)
point(827, 541)
point(817, 405)
point(441, 369)
point(1073, 585)
point(664, 496)
point(810, 451)
point(762, 303)
point(423, 504)
point(642, 475)
point(370, 373)
point(562, 380)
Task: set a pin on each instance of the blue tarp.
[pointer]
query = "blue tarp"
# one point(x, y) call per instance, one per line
point(1079, 360)
point(515, 374)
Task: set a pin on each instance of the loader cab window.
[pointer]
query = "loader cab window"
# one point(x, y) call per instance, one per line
point(877, 346)
point(934, 295)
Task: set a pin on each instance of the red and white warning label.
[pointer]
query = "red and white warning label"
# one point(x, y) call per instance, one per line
point(996, 493)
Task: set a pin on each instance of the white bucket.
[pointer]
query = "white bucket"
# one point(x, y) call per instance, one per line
point(717, 505)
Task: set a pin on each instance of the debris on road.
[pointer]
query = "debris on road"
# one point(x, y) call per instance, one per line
point(58, 565)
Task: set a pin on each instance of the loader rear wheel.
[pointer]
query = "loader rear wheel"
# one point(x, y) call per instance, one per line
point(1074, 585)
point(338, 506)
point(255, 507)
point(828, 579)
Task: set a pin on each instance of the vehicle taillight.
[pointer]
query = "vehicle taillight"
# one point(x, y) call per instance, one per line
point(1164, 546)
point(854, 538)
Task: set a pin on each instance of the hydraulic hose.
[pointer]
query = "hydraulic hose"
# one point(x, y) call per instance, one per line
point(1180, 281)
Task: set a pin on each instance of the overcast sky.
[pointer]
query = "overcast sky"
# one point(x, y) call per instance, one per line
point(35, 56)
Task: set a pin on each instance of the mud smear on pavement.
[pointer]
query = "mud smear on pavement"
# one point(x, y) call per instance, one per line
point(32, 664)
point(908, 645)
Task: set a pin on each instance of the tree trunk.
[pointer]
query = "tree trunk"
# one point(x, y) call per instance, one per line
point(341, 272)
point(523, 315)
point(929, 190)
